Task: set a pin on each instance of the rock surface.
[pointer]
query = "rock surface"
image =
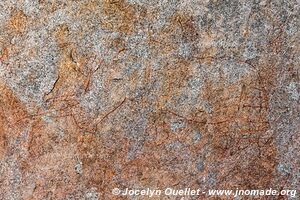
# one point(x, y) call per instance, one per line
point(103, 94)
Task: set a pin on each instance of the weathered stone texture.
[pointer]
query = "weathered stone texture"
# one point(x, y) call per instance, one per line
point(103, 94)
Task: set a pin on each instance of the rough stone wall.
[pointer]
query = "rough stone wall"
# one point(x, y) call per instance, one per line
point(103, 94)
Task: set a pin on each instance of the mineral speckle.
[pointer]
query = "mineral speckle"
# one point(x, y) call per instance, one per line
point(104, 94)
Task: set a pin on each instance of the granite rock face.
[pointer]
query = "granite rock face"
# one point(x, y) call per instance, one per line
point(103, 94)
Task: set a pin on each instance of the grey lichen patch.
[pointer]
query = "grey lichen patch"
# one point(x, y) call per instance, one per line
point(78, 168)
point(92, 194)
point(200, 165)
point(17, 22)
point(178, 124)
point(294, 91)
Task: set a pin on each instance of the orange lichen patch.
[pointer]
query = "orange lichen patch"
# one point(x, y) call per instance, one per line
point(118, 44)
point(61, 34)
point(207, 55)
point(238, 126)
point(73, 71)
point(121, 16)
point(180, 27)
point(18, 21)
point(99, 156)
point(175, 78)
point(56, 168)
point(147, 75)
point(160, 134)
point(66, 79)
point(12, 108)
point(7, 50)
point(4, 54)
point(3, 136)
point(133, 79)
point(71, 65)
point(70, 69)
point(144, 170)
point(40, 139)
point(90, 6)
point(11, 111)
point(185, 22)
